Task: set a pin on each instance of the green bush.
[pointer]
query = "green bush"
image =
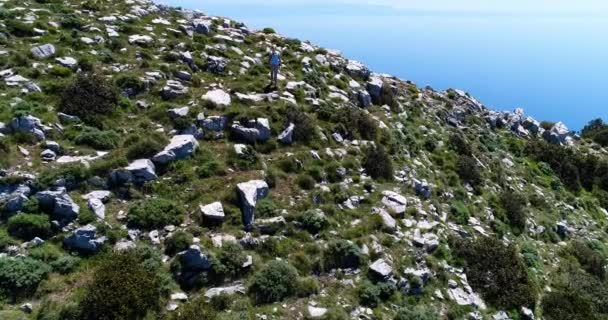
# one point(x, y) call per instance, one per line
point(89, 96)
point(313, 221)
point(195, 309)
point(307, 287)
point(177, 242)
point(268, 30)
point(145, 147)
point(460, 144)
point(378, 163)
point(497, 271)
point(266, 208)
point(65, 264)
point(122, 288)
point(567, 305)
point(416, 313)
point(229, 261)
point(514, 205)
point(596, 130)
point(27, 226)
point(19, 28)
point(155, 213)
point(372, 294)
point(5, 239)
point(591, 260)
point(305, 182)
point(353, 123)
point(278, 280)
point(304, 129)
point(131, 84)
point(469, 171)
point(341, 254)
point(98, 139)
point(19, 277)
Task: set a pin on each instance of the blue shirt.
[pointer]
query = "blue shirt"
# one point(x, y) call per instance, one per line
point(275, 59)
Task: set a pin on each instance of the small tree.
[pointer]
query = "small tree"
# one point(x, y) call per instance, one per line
point(497, 271)
point(89, 96)
point(514, 205)
point(378, 163)
point(275, 282)
point(122, 288)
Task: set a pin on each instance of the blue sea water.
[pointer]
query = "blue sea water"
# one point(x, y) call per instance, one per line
point(553, 64)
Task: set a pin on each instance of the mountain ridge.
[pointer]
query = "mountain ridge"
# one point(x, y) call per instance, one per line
point(149, 171)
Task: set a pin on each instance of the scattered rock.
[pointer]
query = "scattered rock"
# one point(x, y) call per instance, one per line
point(249, 194)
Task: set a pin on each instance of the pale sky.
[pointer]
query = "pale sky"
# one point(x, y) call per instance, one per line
point(595, 7)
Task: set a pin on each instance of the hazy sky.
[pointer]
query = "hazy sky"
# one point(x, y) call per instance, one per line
point(594, 7)
point(547, 56)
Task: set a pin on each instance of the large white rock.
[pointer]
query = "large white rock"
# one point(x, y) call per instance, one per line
point(390, 224)
point(180, 147)
point(139, 171)
point(139, 39)
point(213, 213)
point(394, 201)
point(173, 89)
point(228, 290)
point(256, 130)
point(43, 51)
point(249, 194)
point(218, 97)
point(381, 269)
point(286, 137)
point(316, 312)
point(374, 87)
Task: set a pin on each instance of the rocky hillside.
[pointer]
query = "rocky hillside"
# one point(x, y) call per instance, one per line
point(149, 171)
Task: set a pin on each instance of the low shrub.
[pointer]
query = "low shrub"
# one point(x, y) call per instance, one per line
point(89, 96)
point(122, 288)
point(27, 226)
point(177, 242)
point(155, 213)
point(514, 205)
point(469, 171)
point(19, 277)
point(305, 181)
point(145, 147)
point(567, 305)
point(378, 163)
point(372, 294)
point(278, 280)
point(416, 313)
point(304, 129)
point(313, 221)
point(65, 264)
point(266, 208)
point(228, 263)
point(341, 254)
point(98, 139)
point(591, 260)
point(497, 271)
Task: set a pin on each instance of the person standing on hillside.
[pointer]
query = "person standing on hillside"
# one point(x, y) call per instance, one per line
point(275, 63)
